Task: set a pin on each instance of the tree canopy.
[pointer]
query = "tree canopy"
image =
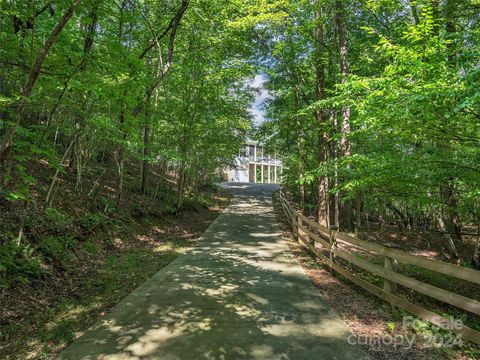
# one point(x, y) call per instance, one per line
point(118, 118)
point(373, 106)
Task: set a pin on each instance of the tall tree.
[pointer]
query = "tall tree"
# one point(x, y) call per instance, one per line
point(323, 138)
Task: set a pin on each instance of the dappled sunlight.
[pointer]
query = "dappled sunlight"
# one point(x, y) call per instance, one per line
point(158, 230)
point(238, 295)
point(264, 352)
point(244, 310)
point(326, 328)
point(265, 234)
point(150, 341)
point(118, 242)
point(258, 299)
point(171, 246)
point(310, 305)
point(223, 290)
point(427, 253)
point(274, 266)
point(187, 236)
point(143, 237)
point(168, 246)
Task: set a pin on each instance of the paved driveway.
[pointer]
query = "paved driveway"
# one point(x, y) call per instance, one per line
point(238, 295)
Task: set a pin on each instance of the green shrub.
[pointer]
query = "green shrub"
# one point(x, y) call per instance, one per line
point(57, 249)
point(91, 220)
point(169, 209)
point(90, 247)
point(18, 263)
point(56, 216)
point(55, 220)
point(106, 205)
point(196, 203)
point(168, 199)
point(210, 187)
point(189, 204)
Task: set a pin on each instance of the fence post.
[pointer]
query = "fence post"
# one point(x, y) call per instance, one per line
point(389, 286)
point(332, 237)
point(284, 210)
point(297, 221)
point(312, 230)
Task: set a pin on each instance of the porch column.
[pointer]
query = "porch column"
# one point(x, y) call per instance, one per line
point(255, 163)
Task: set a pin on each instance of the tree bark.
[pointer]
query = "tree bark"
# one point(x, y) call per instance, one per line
point(119, 158)
point(344, 71)
point(450, 27)
point(346, 206)
point(446, 235)
point(48, 199)
point(300, 146)
point(172, 27)
point(413, 7)
point(476, 251)
point(26, 91)
point(146, 154)
point(323, 199)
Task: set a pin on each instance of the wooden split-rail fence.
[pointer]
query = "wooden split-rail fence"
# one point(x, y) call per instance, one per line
point(310, 233)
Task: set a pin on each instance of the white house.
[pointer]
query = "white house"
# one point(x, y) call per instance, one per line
point(252, 165)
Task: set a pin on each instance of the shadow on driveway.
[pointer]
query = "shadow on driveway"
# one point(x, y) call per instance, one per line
point(240, 294)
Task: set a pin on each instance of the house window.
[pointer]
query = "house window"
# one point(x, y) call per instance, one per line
point(251, 152)
point(259, 153)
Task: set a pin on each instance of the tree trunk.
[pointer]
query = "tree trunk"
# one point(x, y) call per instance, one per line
point(344, 71)
point(146, 152)
point(26, 91)
point(120, 156)
point(172, 27)
point(88, 41)
point(449, 197)
point(101, 181)
point(334, 152)
point(358, 214)
point(145, 163)
point(346, 206)
point(446, 235)
point(300, 147)
point(181, 189)
point(322, 201)
point(476, 251)
point(450, 27)
point(120, 170)
point(48, 199)
point(435, 4)
point(450, 221)
point(413, 7)
point(403, 223)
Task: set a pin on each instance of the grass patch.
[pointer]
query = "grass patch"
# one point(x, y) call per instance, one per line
point(116, 278)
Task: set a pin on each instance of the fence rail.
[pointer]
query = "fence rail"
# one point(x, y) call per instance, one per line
point(310, 233)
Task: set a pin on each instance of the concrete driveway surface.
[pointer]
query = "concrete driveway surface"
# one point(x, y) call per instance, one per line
point(239, 294)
